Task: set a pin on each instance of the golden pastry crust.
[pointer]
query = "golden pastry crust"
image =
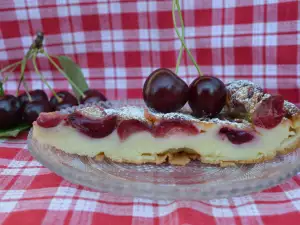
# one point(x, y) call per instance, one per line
point(183, 156)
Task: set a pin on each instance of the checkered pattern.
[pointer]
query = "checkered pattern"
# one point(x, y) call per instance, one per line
point(118, 43)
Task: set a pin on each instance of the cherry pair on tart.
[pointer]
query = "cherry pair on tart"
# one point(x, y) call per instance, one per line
point(166, 92)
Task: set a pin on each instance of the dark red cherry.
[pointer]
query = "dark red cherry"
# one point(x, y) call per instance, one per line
point(9, 111)
point(68, 100)
point(48, 120)
point(171, 127)
point(236, 137)
point(94, 128)
point(207, 96)
point(129, 127)
point(33, 109)
point(36, 95)
point(164, 91)
point(269, 112)
point(92, 96)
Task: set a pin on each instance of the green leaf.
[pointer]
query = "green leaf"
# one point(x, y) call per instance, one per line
point(1, 89)
point(75, 74)
point(13, 132)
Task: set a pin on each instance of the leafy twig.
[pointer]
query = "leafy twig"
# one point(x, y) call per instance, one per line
point(1, 89)
point(181, 39)
point(63, 73)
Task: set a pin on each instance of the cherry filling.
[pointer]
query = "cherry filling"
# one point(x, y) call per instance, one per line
point(48, 120)
point(95, 128)
point(129, 127)
point(269, 113)
point(236, 137)
point(170, 127)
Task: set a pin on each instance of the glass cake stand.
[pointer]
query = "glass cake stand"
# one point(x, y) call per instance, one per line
point(195, 181)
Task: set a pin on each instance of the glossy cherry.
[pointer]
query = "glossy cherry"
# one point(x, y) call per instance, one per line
point(92, 96)
point(68, 100)
point(48, 120)
point(236, 137)
point(207, 96)
point(94, 128)
point(171, 127)
point(164, 91)
point(269, 112)
point(36, 95)
point(33, 109)
point(9, 111)
point(129, 127)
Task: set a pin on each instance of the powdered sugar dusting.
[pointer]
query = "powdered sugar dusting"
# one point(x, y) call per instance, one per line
point(245, 93)
point(138, 113)
point(290, 108)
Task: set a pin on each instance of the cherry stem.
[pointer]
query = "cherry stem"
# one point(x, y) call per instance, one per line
point(43, 78)
point(23, 66)
point(12, 70)
point(176, 3)
point(14, 65)
point(181, 39)
point(63, 73)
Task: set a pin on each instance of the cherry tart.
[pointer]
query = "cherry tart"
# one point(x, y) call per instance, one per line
point(267, 126)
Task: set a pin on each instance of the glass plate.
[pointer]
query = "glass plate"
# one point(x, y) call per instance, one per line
point(195, 181)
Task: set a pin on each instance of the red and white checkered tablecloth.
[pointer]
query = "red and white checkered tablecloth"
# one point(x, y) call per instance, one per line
point(118, 43)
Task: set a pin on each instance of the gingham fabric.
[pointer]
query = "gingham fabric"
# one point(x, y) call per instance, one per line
point(117, 43)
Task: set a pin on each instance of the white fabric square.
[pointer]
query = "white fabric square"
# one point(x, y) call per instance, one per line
point(34, 13)
point(6, 207)
point(142, 211)
point(248, 210)
point(89, 194)
point(271, 40)
point(110, 83)
point(60, 204)
point(17, 163)
point(75, 10)
point(115, 7)
point(30, 171)
point(222, 212)
point(13, 194)
point(79, 36)
point(271, 70)
point(21, 14)
point(85, 205)
point(65, 191)
point(10, 172)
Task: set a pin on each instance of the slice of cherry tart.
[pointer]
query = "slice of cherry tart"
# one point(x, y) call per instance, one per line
point(206, 121)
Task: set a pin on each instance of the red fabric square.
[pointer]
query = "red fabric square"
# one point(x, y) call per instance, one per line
point(163, 20)
point(95, 60)
point(90, 22)
point(132, 59)
point(243, 55)
point(203, 17)
point(24, 219)
point(292, 95)
point(288, 10)
point(167, 59)
point(9, 29)
point(204, 56)
point(130, 21)
point(243, 15)
point(51, 26)
point(45, 181)
point(287, 54)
